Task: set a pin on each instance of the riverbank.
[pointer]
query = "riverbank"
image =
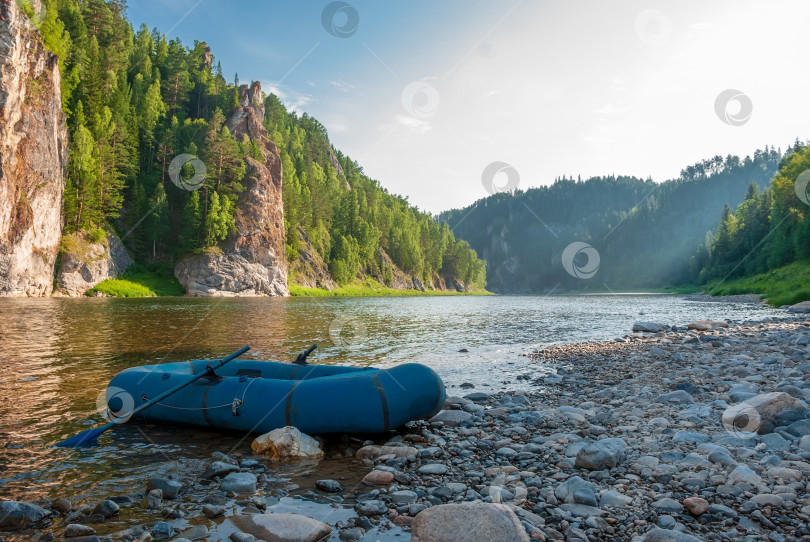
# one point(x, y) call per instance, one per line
point(787, 285)
point(372, 288)
point(160, 282)
point(670, 471)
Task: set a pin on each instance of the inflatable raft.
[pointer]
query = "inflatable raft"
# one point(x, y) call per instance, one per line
point(260, 396)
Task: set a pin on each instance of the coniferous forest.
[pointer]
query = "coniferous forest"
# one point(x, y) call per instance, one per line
point(647, 235)
point(135, 99)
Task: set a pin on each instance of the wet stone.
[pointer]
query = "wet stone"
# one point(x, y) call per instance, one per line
point(331, 486)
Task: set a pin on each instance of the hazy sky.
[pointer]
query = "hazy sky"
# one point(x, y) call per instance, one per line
point(426, 94)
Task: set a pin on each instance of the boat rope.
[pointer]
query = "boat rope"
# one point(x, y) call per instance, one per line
point(235, 405)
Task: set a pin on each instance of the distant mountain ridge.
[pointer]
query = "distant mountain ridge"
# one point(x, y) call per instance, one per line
point(643, 234)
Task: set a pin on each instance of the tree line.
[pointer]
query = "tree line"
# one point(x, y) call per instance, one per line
point(769, 229)
point(134, 100)
point(647, 234)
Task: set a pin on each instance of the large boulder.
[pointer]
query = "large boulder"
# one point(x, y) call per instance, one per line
point(800, 308)
point(287, 443)
point(602, 454)
point(281, 527)
point(219, 274)
point(252, 261)
point(87, 262)
point(472, 522)
point(20, 515)
point(33, 157)
point(759, 414)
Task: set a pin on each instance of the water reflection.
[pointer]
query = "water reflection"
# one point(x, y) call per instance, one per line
point(59, 355)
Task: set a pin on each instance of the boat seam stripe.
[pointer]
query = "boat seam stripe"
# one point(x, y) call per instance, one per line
point(192, 367)
point(288, 405)
point(384, 401)
point(205, 408)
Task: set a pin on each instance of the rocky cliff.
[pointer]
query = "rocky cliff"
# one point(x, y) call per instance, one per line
point(252, 261)
point(86, 262)
point(33, 157)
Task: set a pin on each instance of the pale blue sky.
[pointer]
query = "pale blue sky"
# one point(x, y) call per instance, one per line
point(426, 94)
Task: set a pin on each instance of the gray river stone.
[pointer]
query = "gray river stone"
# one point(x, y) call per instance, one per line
point(239, 482)
point(433, 468)
point(603, 454)
point(220, 468)
point(479, 522)
point(169, 488)
point(19, 515)
point(282, 527)
point(665, 535)
point(452, 418)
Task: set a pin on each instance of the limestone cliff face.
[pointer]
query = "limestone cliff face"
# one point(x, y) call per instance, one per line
point(33, 157)
point(252, 261)
point(86, 263)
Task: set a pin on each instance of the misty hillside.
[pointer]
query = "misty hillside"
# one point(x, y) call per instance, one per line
point(645, 233)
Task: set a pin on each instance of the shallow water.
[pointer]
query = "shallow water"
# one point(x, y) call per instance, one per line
point(59, 355)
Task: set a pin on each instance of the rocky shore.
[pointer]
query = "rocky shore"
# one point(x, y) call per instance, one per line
point(668, 434)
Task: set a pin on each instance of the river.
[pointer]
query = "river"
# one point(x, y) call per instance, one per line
point(59, 354)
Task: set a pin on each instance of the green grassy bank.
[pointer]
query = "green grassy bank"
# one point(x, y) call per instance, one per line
point(369, 288)
point(783, 286)
point(141, 281)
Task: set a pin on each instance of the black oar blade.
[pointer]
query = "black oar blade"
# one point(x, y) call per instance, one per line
point(85, 438)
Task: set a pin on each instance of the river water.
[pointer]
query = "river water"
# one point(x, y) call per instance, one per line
point(59, 354)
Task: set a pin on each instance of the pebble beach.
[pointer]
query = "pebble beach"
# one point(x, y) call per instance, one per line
point(664, 434)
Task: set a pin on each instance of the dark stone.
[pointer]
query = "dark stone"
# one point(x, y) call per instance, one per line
point(20, 515)
point(799, 428)
point(170, 488)
point(107, 508)
point(331, 486)
point(162, 530)
point(688, 387)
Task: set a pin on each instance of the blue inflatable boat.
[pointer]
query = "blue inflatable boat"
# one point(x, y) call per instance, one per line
point(260, 396)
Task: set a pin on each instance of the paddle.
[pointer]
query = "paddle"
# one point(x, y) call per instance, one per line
point(88, 437)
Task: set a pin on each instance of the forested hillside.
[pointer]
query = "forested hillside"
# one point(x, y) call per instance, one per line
point(768, 230)
point(646, 234)
point(135, 100)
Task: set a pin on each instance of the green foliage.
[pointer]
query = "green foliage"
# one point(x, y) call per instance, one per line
point(769, 230)
point(370, 288)
point(646, 233)
point(135, 100)
point(783, 286)
point(141, 281)
point(351, 220)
